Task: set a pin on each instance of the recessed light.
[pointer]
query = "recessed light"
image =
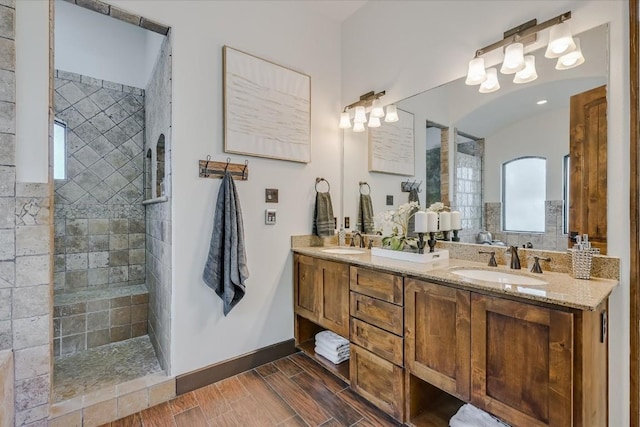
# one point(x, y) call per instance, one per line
point(542, 101)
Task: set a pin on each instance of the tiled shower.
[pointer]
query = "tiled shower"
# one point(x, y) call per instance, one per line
point(99, 219)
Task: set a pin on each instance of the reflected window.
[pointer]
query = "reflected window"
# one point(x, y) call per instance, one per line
point(523, 194)
point(59, 150)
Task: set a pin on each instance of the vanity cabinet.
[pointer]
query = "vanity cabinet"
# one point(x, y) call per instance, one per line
point(377, 343)
point(421, 347)
point(321, 293)
point(437, 335)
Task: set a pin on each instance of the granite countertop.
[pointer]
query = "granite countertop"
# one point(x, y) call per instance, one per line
point(561, 289)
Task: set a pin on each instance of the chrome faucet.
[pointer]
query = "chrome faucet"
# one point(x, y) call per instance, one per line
point(515, 260)
point(353, 238)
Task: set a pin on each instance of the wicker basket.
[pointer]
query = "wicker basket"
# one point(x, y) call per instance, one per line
point(581, 262)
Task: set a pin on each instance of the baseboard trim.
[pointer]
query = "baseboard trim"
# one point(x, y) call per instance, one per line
point(228, 368)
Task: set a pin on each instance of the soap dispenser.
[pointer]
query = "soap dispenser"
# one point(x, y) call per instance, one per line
point(342, 237)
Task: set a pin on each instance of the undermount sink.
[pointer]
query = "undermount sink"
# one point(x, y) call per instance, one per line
point(343, 251)
point(499, 277)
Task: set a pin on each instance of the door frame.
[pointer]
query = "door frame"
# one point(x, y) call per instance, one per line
point(634, 211)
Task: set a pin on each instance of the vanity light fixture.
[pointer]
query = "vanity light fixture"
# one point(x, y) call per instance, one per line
point(369, 100)
point(561, 46)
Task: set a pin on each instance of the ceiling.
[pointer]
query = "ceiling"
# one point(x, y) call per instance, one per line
point(338, 10)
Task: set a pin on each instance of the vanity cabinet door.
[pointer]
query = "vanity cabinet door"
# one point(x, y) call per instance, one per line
point(377, 380)
point(306, 289)
point(522, 362)
point(437, 336)
point(333, 279)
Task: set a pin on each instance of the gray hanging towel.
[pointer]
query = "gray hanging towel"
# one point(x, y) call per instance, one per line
point(365, 222)
point(226, 268)
point(413, 197)
point(323, 215)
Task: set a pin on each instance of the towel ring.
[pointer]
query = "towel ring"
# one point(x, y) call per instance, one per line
point(319, 180)
point(361, 184)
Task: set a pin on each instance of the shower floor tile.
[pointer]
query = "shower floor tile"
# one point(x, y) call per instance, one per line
point(101, 367)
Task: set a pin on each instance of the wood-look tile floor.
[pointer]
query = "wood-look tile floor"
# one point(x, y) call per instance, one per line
point(293, 391)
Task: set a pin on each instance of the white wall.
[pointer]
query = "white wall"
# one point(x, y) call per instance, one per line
point(99, 46)
point(550, 141)
point(282, 32)
point(426, 50)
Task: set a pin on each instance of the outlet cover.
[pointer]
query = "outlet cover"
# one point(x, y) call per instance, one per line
point(271, 195)
point(270, 216)
point(389, 200)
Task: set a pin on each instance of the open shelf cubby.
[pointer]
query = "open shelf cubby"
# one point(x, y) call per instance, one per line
point(428, 406)
point(305, 332)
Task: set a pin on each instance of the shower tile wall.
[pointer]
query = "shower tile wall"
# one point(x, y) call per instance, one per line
point(552, 239)
point(468, 196)
point(99, 220)
point(158, 215)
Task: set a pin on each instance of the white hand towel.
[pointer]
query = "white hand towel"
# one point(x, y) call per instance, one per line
point(330, 357)
point(331, 339)
point(470, 416)
point(336, 353)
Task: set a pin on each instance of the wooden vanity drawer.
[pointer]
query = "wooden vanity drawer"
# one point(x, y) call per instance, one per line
point(384, 286)
point(379, 313)
point(377, 380)
point(378, 341)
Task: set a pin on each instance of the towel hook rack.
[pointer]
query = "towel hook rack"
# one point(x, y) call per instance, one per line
point(362, 184)
point(211, 169)
point(319, 180)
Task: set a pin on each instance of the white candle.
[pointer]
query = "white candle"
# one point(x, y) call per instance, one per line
point(456, 224)
point(445, 221)
point(421, 223)
point(432, 222)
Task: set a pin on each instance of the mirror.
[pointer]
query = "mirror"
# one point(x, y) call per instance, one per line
point(463, 138)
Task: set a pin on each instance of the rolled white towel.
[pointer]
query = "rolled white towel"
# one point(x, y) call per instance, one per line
point(470, 416)
point(332, 340)
point(331, 358)
point(344, 351)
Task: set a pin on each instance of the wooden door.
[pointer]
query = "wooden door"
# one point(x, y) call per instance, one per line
point(306, 289)
point(588, 166)
point(333, 280)
point(437, 336)
point(522, 362)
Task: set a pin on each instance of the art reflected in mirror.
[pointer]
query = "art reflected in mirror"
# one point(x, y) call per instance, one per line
point(518, 121)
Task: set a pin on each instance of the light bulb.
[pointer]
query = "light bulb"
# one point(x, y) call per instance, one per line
point(476, 73)
point(374, 122)
point(376, 109)
point(392, 114)
point(528, 74)
point(358, 127)
point(360, 116)
point(345, 120)
point(491, 84)
point(560, 41)
point(571, 59)
point(513, 59)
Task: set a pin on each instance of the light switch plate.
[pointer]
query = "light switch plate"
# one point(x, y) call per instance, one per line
point(270, 216)
point(389, 200)
point(271, 195)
